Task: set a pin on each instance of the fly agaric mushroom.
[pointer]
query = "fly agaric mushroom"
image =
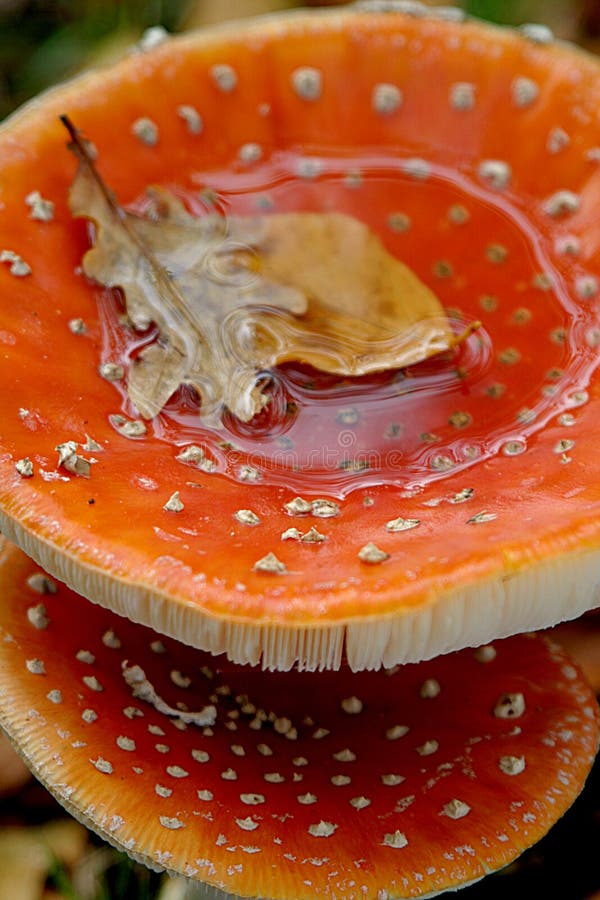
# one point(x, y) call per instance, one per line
point(388, 518)
point(397, 783)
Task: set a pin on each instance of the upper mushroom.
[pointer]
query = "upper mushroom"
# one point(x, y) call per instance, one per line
point(388, 517)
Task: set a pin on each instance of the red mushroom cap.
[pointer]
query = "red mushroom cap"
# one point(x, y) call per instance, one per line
point(477, 514)
point(290, 785)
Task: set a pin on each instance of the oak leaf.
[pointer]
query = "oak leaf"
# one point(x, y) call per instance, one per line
point(233, 297)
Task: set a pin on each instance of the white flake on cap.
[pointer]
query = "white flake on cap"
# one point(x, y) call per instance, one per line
point(325, 509)
point(536, 33)
point(456, 809)
point(396, 732)
point(200, 756)
point(24, 467)
point(177, 772)
point(371, 554)
point(42, 583)
point(142, 689)
point(179, 679)
point(340, 780)
point(38, 616)
point(392, 780)
point(386, 98)
point(246, 517)
point(35, 666)
point(486, 653)
point(191, 117)
point(512, 765)
point(558, 140)
point(252, 799)
point(345, 755)
point(18, 267)
point(146, 131)
point(561, 203)
point(416, 168)
point(313, 536)
point(173, 824)
point(462, 95)
point(40, 209)
point(110, 639)
point(224, 76)
point(322, 829)
point(352, 705)
point(587, 286)
point(396, 840)
point(250, 152)
point(401, 524)
point(430, 689)
point(496, 173)
point(152, 37)
point(510, 706)
point(247, 824)
point(270, 564)
point(428, 748)
point(307, 83)
point(298, 507)
point(174, 503)
point(525, 92)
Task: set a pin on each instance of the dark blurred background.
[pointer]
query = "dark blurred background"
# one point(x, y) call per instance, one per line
point(45, 855)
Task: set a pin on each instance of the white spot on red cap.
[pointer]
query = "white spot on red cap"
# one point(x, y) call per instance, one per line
point(510, 706)
point(456, 809)
point(352, 705)
point(386, 98)
point(307, 83)
point(486, 654)
point(430, 689)
point(322, 829)
point(512, 765)
point(173, 824)
point(35, 666)
point(224, 77)
point(252, 799)
point(428, 748)
point(396, 840)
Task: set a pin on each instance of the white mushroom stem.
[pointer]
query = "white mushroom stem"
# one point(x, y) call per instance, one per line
point(142, 689)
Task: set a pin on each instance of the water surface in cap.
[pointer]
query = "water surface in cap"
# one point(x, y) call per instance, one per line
point(484, 257)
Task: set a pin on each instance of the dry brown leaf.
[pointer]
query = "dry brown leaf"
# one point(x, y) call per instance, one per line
point(234, 297)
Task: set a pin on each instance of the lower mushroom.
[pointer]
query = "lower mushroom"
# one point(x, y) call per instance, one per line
point(398, 783)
